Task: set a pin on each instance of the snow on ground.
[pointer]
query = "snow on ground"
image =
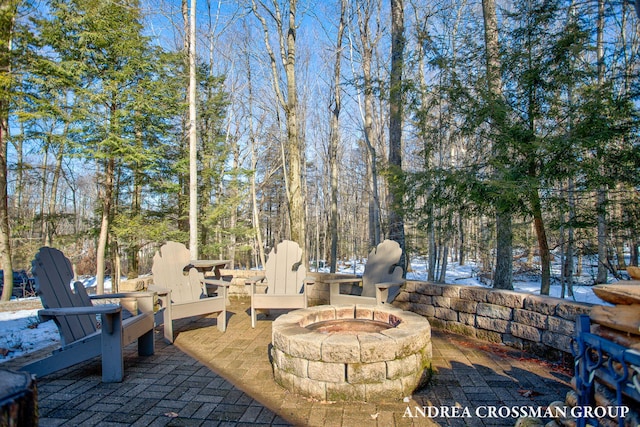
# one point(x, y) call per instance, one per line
point(468, 275)
point(20, 332)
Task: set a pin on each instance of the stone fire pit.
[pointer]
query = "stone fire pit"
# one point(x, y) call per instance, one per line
point(351, 352)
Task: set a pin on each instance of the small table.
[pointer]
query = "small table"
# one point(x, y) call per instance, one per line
point(208, 265)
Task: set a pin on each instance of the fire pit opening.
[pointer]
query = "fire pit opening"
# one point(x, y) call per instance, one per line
point(351, 352)
point(349, 326)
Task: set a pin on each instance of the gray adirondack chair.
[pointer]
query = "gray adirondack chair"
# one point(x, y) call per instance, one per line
point(183, 291)
point(75, 316)
point(285, 278)
point(380, 282)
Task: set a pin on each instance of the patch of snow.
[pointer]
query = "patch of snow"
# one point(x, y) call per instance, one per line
point(22, 333)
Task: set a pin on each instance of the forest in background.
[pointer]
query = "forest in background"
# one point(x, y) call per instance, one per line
point(524, 145)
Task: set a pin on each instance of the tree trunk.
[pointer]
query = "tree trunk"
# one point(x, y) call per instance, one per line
point(254, 166)
point(364, 12)
point(461, 249)
point(443, 264)
point(43, 192)
point(601, 198)
point(503, 277)
point(107, 202)
point(396, 220)
point(193, 139)
point(19, 146)
point(233, 220)
point(8, 10)
point(570, 237)
point(334, 143)
point(295, 144)
point(53, 195)
point(433, 249)
point(543, 246)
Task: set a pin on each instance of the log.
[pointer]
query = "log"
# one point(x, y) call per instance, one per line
point(618, 337)
point(624, 292)
point(634, 272)
point(624, 318)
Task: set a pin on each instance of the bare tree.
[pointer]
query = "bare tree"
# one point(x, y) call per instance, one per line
point(294, 150)
point(193, 137)
point(368, 42)
point(335, 138)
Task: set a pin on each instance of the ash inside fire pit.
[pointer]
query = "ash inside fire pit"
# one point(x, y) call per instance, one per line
point(349, 326)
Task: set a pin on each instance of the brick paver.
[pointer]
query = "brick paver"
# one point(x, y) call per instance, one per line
point(209, 378)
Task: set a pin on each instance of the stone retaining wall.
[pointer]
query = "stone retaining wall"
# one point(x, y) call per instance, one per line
point(539, 324)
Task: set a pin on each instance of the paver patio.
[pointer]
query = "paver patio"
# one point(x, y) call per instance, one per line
point(209, 378)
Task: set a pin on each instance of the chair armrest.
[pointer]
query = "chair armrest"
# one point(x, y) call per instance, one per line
point(387, 285)
point(161, 292)
point(111, 314)
point(135, 302)
point(383, 290)
point(252, 283)
point(124, 295)
point(216, 282)
point(211, 285)
point(254, 280)
point(74, 311)
point(353, 279)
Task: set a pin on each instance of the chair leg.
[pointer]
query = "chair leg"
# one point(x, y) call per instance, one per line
point(253, 317)
point(146, 344)
point(112, 357)
point(168, 324)
point(222, 321)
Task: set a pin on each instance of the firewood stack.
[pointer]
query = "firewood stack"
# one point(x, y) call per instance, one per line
point(620, 324)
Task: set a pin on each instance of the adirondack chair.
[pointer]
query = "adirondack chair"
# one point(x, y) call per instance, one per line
point(183, 291)
point(75, 316)
point(285, 277)
point(380, 282)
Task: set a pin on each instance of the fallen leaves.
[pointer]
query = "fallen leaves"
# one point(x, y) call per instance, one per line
point(528, 393)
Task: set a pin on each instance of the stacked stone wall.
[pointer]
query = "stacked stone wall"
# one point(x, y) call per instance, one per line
point(539, 324)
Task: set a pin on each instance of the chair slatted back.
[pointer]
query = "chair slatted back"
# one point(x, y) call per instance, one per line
point(284, 269)
point(168, 272)
point(53, 276)
point(380, 267)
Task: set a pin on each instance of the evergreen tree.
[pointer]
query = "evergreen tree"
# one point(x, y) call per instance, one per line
point(103, 42)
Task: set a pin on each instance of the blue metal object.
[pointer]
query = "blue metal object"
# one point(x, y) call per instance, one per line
point(611, 363)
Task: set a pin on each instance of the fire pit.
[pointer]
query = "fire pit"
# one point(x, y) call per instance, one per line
point(351, 352)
